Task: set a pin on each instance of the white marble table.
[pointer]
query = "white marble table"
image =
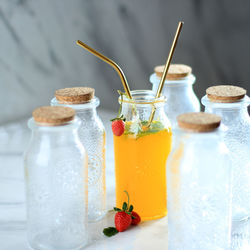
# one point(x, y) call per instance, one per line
point(13, 138)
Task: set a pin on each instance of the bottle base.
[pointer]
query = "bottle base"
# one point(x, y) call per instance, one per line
point(44, 241)
point(241, 234)
point(92, 218)
point(155, 217)
point(45, 247)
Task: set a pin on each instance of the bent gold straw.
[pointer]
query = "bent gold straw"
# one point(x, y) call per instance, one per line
point(165, 71)
point(110, 62)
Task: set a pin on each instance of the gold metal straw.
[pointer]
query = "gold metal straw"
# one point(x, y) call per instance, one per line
point(165, 71)
point(110, 62)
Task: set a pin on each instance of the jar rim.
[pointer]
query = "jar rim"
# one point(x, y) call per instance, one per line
point(142, 97)
point(94, 102)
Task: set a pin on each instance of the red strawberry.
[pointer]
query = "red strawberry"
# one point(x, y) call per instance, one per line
point(137, 219)
point(118, 127)
point(122, 221)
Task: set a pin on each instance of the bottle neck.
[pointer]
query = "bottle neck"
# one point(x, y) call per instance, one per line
point(88, 112)
point(178, 89)
point(183, 84)
point(58, 135)
point(84, 109)
point(142, 112)
point(63, 137)
point(230, 116)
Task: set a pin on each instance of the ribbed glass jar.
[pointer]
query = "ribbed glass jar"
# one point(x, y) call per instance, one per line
point(199, 192)
point(180, 96)
point(56, 185)
point(92, 135)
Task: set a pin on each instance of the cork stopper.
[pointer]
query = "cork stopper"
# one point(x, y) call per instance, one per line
point(175, 71)
point(76, 95)
point(225, 93)
point(198, 122)
point(53, 116)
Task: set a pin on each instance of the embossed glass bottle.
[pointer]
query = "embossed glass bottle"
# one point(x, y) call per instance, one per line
point(236, 124)
point(236, 128)
point(178, 89)
point(92, 136)
point(56, 185)
point(199, 190)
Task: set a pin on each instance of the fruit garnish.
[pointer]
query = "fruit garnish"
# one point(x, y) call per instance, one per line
point(136, 219)
point(155, 127)
point(142, 129)
point(123, 219)
point(118, 125)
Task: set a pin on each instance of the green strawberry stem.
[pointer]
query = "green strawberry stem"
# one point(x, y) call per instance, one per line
point(131, 208)
point(117, 209)
point(118, 118)
point(125, 206)
point(127, 196)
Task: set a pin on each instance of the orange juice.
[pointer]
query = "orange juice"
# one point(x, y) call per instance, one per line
point(140, 168)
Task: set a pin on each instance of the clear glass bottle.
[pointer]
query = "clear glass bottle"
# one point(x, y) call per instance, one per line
point(92, 135)
point(179, 94)
point(236, 126)
point(56, 187)
point(141, 153)
point(199, 188)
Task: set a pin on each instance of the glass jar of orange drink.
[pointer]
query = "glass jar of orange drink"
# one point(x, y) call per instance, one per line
point(141, 153)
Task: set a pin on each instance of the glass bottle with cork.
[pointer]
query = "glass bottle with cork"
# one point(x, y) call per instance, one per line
point(178, 89)
point(199, 185)
point(56, 181)
point(92, 136)
point(231, 102)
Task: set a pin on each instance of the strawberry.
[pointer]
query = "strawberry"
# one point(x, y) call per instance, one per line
point(136, 219)
point(118, 127)
point(122, 221)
